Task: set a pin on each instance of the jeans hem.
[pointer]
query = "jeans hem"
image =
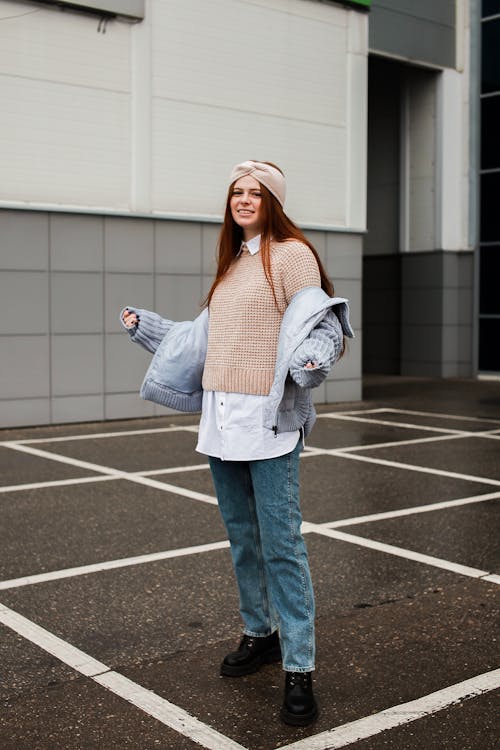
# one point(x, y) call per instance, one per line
point(302, 670)
point(253, 634)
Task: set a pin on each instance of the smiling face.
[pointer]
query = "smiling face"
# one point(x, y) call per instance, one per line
point(245, 204)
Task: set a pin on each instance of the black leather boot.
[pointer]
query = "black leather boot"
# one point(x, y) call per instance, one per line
point(299, 707)
point(251, 654)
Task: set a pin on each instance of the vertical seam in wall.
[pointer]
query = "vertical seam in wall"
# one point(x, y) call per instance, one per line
point(49, 312)
point(103, 319)
point(200, 267)
point(155, 267)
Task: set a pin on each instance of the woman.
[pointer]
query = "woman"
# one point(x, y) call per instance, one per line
point(272, 331)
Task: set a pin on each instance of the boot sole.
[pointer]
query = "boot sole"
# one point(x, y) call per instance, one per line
point(268, 657)
point(299, 721)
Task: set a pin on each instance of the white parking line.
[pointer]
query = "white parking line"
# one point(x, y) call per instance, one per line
point(98, 435)
point(398, 443)
point(342, 453)
point(125, 562)
point(115, 473)
point(391, 549)
point(54, 483)
point(307, 528)
point(405, 425)
point(151, 703)
point(441, 415)
point(175, 717)
point(412, 412)
point(412, 511)
point(403, 713)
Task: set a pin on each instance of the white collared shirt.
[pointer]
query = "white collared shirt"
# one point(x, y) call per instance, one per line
point(231, 425)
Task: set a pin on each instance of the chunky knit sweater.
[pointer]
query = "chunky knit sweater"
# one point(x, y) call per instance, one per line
point(245, 320)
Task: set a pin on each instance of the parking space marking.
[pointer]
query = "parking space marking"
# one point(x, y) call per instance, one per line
point(413, 441)
point(307, 528)
point(404, 425)
point(403, 713)
point(407, 554)
point(124, 562)
point(411, 511)
point(168, 713)
point(184, 723)
point(493, 578)
point(152, 704)
point(172, 715)
point(441, 415)
point(65, 652)
point(411, 412)
point(115, 473)
point(54, 483)
point(97, 435)
point(343, 453)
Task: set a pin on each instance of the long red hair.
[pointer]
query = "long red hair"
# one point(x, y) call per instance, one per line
point(276, 227)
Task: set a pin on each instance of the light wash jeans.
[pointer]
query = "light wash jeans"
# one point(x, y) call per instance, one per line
point(259, 503)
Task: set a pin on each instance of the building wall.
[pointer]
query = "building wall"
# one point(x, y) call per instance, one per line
point(149, 117)
point(418, 270)
point(489, 259)
point(417, 30)
point(64, 279)
point(115, 151)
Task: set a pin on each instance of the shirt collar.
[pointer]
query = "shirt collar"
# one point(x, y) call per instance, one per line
point(253, 245)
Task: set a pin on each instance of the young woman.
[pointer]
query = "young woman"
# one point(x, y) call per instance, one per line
point(270, 332)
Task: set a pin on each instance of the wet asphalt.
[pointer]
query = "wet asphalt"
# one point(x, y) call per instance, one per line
point(391, 627)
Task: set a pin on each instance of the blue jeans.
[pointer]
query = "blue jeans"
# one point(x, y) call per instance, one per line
point(260, 507)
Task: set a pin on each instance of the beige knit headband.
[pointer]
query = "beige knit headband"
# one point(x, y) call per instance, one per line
point(268, 176)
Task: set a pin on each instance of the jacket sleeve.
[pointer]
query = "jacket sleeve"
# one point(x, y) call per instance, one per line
point(323, 346)
point(150, 330)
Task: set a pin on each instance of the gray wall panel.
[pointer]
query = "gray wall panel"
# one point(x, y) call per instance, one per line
point(24, 240)
point(25, 370)
point(352, 290)
point(24, 302)
point(118, 405)
point(318, 240)
point(442, 11)
point(421, 31)
point(25, 412)
point(77, 365)
point(344, 257)
point(128, 245)
point(209, 237)
point(441, 284)
point(125, 364)
point(178, 247)
point(76, 242)
point(58, 365)
point(77, 303)
point(126, 289)
point(77, 408)
point(179, 293)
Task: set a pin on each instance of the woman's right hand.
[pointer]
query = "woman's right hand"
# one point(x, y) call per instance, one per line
point(130, 319)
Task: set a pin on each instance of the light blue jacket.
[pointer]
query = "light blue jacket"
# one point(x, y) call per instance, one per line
point(312, 329)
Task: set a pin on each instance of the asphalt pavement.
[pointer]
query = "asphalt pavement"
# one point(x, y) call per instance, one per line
point(118, 601)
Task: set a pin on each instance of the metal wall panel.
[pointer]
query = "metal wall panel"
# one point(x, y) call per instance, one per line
point(64, 354)
point(417, 30)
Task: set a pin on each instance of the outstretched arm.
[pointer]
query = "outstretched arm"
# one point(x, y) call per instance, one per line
point(145, 327)
point(313, 359)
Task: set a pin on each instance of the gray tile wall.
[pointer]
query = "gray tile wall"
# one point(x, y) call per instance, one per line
point(64, 279)
point(431, 295)
point(382, 314)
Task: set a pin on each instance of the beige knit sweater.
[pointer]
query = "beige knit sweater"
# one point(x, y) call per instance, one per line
point(245, 322)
